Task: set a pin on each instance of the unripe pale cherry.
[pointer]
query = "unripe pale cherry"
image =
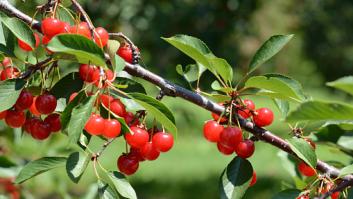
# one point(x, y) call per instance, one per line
point(245, 148)
point(231, 136)
point(212, 131)
point(127, 165)
point(263, 117)
point(137, 138)
point(163, 142)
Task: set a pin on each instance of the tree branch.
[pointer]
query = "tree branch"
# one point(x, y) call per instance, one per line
point(173, 90)
point(340, 187)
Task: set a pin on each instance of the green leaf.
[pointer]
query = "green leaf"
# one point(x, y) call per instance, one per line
point(2, 36)
point(9, 92)
point(105, 191)
point(303, 150)
point(128, 85)
point(189, 72)
point(82, 48)
point(76, 165)
point(85, 138)
point(64, 14)
point(218, 87)
point(346, 171)
point(6, 163)
point(321, 111)
point(66, 114)
point(118, 63)
point(67, 85)
point(235, 179)
point(283, 106)
point(79, 117)
point(39, 166)
point(330, 133)
point(344, 84)
point(277, 86)
point(346, 140)
point(222, 67)
point(122, 185)
point(271, 47)
point(287, 194)
point(157, 109)
point(20, 29)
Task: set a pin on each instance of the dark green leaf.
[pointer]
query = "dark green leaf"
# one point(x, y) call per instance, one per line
point(9, 92)
point(20, 29)
point(122, 185)
point(66, 114)
point(235, 179)
point(76, 165)
point(277, 86)
point(287, 194)
point(39, 166)
point(129, 85)
point(271, 47)
point(303, 150)
point(346, 171)
point(6, 163)
point(84, 49)
point(79, 117)
point(321, 111)
point(330, 133)
point(105, 191)
point(157, 109)
point(67, 85)
point(344, 83)
point(283, 106)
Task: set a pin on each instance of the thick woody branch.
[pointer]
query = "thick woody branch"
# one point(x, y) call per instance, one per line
point(173, 90)
point(340, 187)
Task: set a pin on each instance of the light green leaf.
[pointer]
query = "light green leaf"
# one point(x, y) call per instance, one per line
point(346, 171)
point(287, 194)
point(283, 106)
point(20, 29)
point(157, 109)
point(79, 117)
point(122, 185)
point(9, 92)
point(235, 179)
point(271, 47)
point(277, 86)
point(2, 36)
point(303, 150)
point(189, 72)
point(218, 87)
point(105, 191)
point(76, 165)
point(39, 166)
point(222, 67)
point(82, 48)
point(118, 64)
point(344, 84)
point(321, 111)
point(346, 140)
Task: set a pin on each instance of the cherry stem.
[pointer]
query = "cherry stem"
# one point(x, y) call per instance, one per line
point(340, 187)
point(174, 90)
point(85, 16)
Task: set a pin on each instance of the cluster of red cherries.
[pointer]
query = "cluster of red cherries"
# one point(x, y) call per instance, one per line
point(229, 139)
point(44, 104)
point(8, 186)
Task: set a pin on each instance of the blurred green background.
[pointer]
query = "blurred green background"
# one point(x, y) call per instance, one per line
point(322, 50)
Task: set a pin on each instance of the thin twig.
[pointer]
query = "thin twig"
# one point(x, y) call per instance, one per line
point(33, 68)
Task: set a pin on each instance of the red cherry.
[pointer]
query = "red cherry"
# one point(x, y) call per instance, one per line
point(40, 130)
point(15, 119)
point(306, 170)
point(246, 113)
point(33, 108)
point(130, 119)
point(28, 124)
point(95, 124)
point(138, 138)
point(125, 52)
point(3, 114)
point(46, 103)
point(127, 164)
point(149, 152)
point(110, 76)
point(112, 128)
point(101, 37)
point(253, 179)
point(9, 73)
point(231, 137)
point(264, 117)
point(245, 148)
point(81, 29)
point(24, 46)
point(212, 131)
point(24, 101)
point(224, 149)
point(303, 197)
point(335, 195)
point(6, 62)
point(52, 27)
point(105, 100)
point(86, 72)
point(46, 39)
point(72, 96)
point(54, 122)
point(136, 153)
point(117, 107)
point(312, 143)
point(163, 142)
